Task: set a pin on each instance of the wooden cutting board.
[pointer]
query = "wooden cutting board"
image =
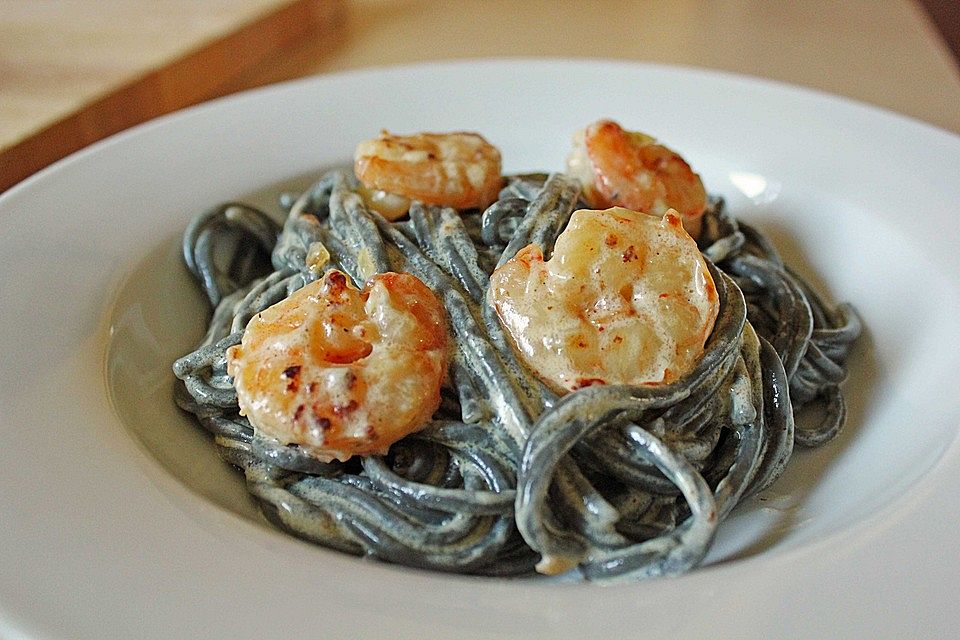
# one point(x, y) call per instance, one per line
point(72, 73)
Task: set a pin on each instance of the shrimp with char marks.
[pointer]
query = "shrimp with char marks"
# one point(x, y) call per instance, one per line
point(340, 371)
point(459, 170)
point(631, 169)
point(626, 298)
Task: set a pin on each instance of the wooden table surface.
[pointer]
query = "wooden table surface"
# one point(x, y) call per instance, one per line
point(75, 71)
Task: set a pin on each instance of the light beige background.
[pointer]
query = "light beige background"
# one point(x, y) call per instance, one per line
point(58, 58)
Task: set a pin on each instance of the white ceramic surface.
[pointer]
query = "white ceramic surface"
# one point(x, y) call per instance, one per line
point(117, 520)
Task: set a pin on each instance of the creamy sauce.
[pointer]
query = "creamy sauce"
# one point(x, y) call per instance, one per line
point(625, 299)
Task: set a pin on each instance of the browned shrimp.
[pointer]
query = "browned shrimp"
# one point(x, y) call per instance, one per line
point(629, 169)
point(460, 170)
point(626, 298)
point(340, 371)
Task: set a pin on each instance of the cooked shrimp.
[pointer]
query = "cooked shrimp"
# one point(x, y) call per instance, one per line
point(460, 170)
point(626, 298)
point(629, 169)
point(340, 371)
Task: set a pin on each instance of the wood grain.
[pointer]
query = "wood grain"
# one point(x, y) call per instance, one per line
point(74, 71)
point(206, 65)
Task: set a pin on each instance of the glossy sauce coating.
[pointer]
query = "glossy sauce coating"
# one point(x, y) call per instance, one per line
point(459, 169)
point(630, 169)
point(626, 298)
point(340, 371)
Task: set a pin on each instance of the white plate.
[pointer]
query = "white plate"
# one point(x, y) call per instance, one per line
point(117, 520)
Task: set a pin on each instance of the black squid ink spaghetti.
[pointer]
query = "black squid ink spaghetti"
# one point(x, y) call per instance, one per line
point(383, 398)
